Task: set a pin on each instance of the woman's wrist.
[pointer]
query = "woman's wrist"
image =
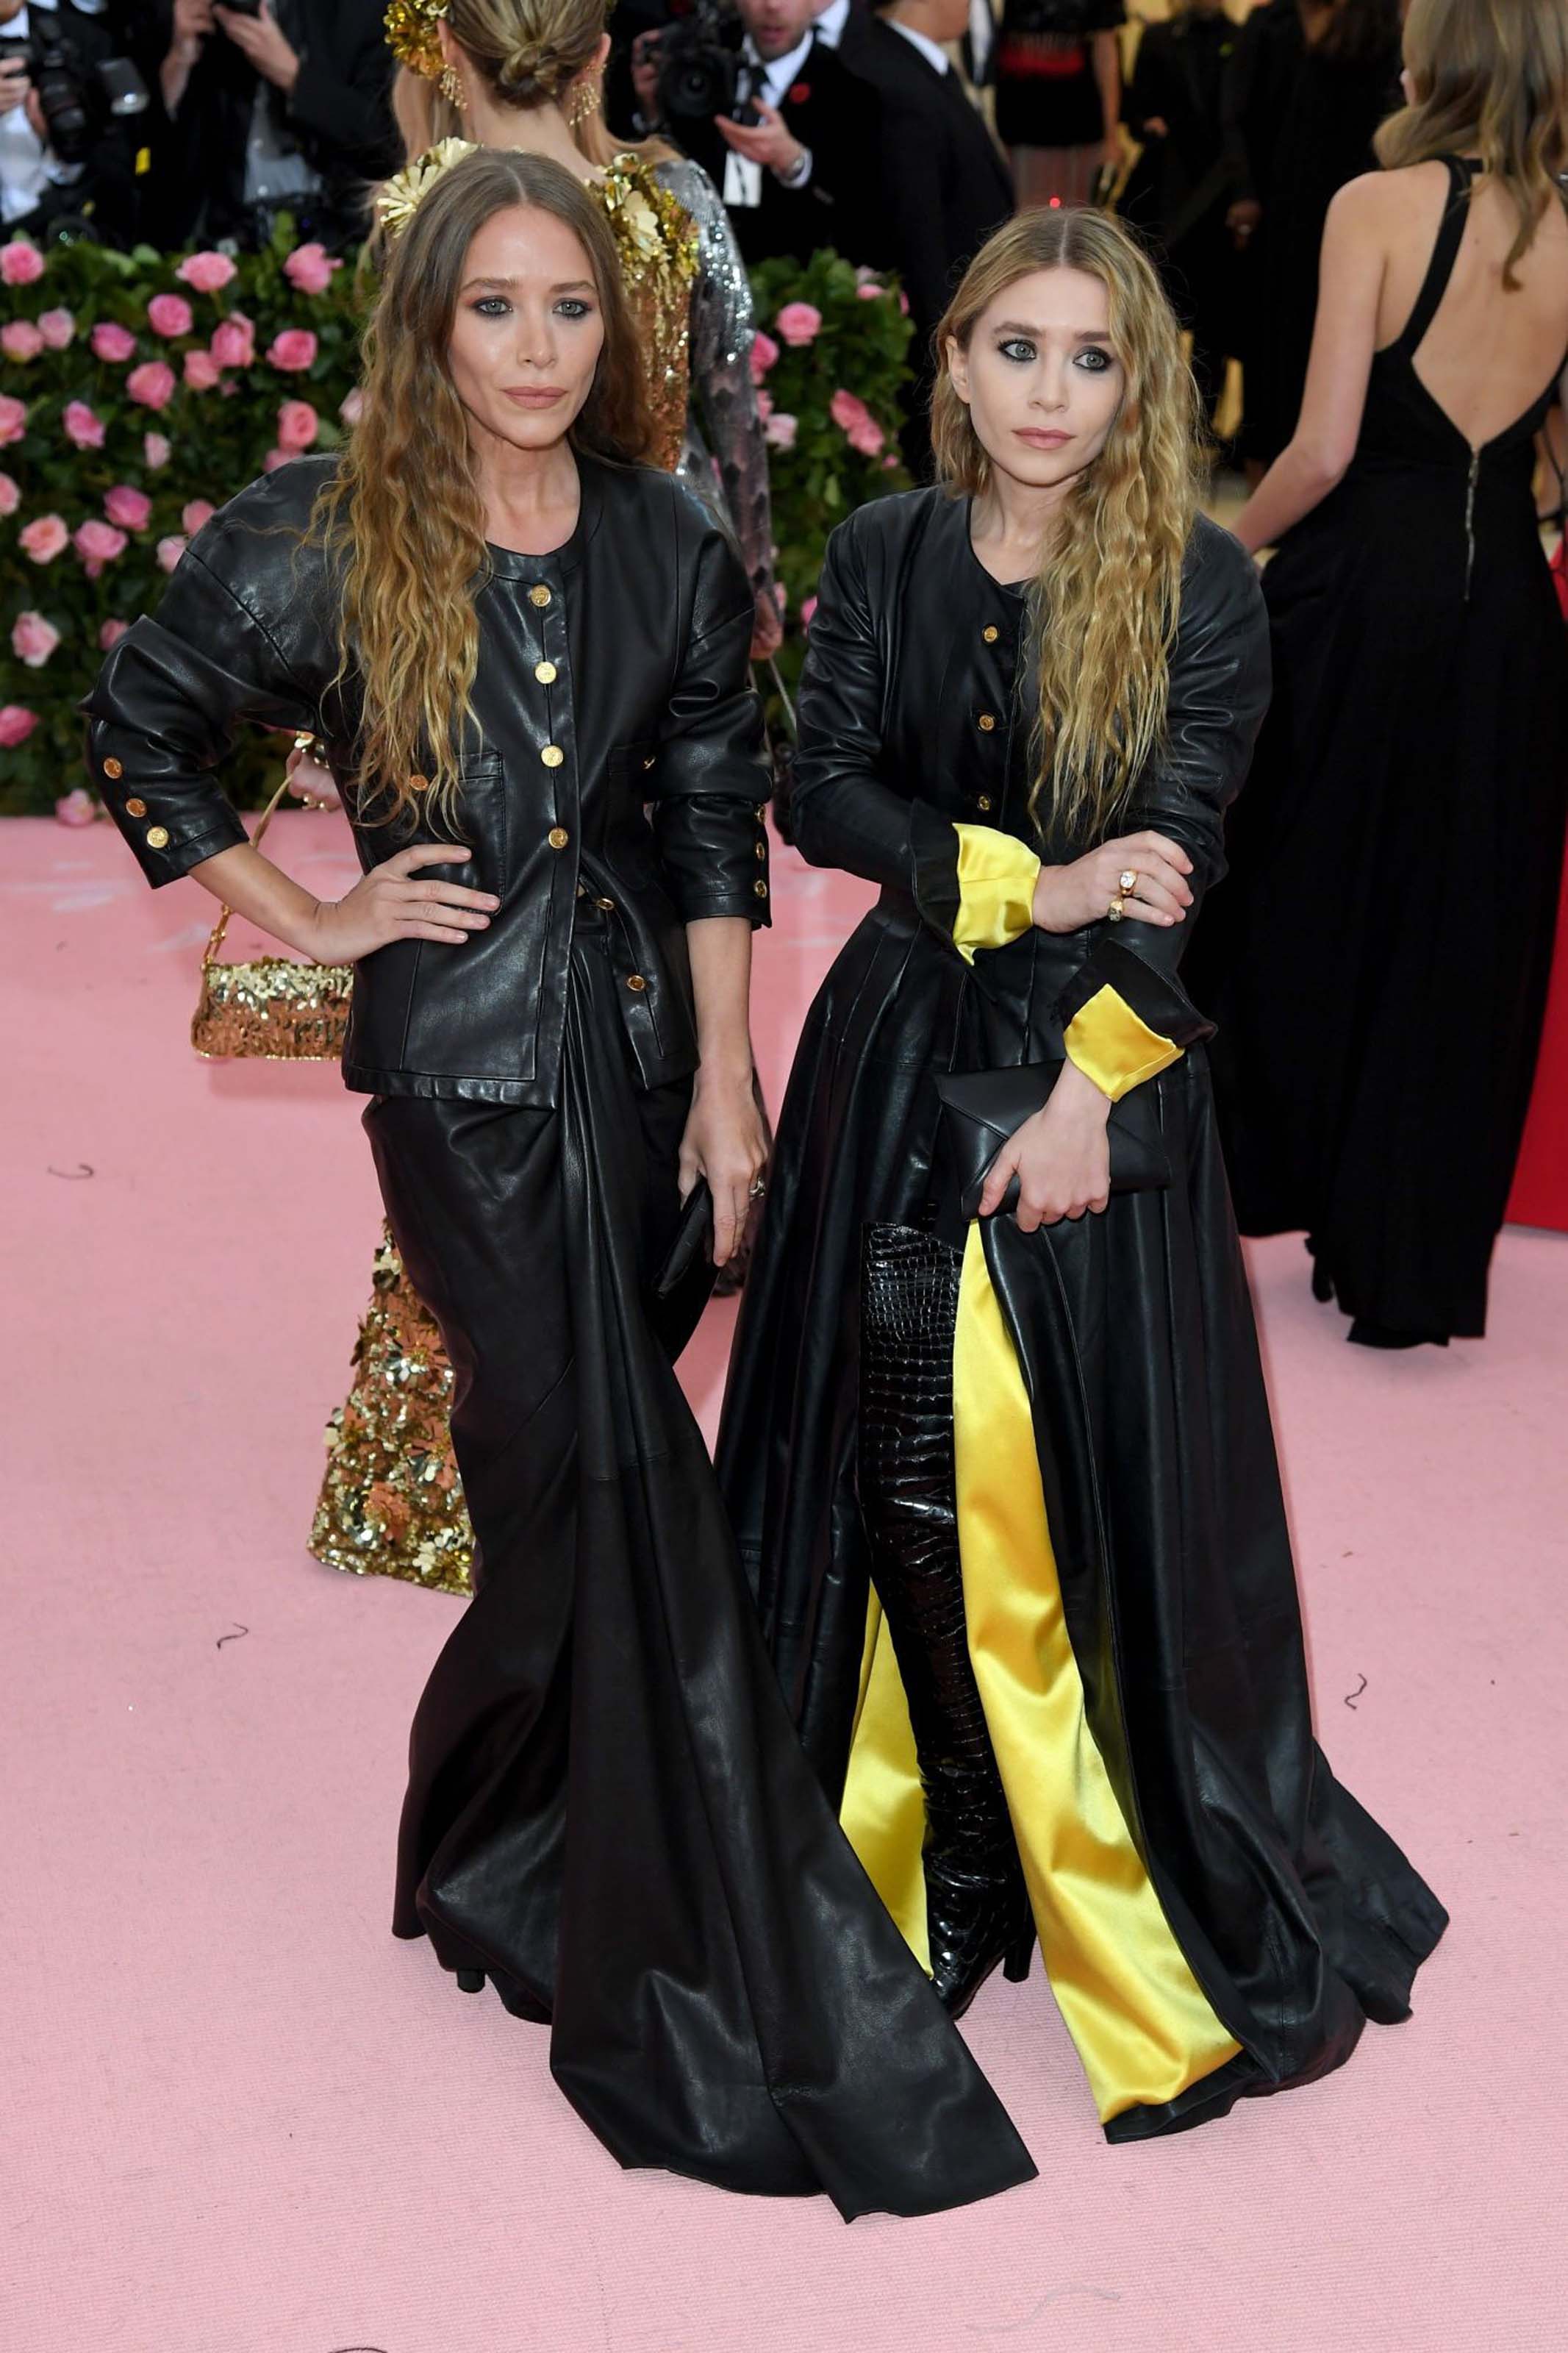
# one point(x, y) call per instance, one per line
point(1079, 1095)
point(728, 1070)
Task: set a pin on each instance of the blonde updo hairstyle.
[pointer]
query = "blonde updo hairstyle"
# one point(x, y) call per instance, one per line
point(1107, 600)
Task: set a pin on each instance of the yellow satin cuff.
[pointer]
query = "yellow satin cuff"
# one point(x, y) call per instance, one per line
point(883, 1813)
point(1111, 1045)
point(996, 878)
point(1143, 2029)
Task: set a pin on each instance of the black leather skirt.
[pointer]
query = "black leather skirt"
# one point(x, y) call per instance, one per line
point(607, 1808)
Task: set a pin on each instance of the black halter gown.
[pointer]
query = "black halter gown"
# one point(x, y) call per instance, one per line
point(1378, 960)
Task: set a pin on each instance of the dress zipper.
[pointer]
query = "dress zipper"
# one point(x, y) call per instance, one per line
point(1471, 520)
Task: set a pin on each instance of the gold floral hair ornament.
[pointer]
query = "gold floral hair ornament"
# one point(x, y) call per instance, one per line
point(411, 35)
point(400, 197)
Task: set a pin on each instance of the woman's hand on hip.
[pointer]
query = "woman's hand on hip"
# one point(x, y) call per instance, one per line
point(1061, 1156)
point(393, 901)
point(724, 1142)
point(1068, 897)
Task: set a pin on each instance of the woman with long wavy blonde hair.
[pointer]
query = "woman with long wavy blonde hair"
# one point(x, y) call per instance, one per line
point(1376, 1068)
point(997, 1443)
point(528, 655)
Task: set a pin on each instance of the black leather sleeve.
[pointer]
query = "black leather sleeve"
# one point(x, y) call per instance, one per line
point(709, 783)
point(166, 707)
point(1220, 676)
point(842, 813)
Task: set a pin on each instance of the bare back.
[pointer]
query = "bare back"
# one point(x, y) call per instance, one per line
point(1489, 354)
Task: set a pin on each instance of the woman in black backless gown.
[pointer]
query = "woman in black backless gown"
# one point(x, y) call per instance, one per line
point(1378, 960)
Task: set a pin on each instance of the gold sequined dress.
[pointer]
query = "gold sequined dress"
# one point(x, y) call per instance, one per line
point(391, 1503)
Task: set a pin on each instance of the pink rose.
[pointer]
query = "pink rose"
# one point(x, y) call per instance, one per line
point(20, 339)
point(903, 302)
point(111, 633)
point(44, 538)
point(197, 512)
point(276, 458)
point(891, 462)
point(21, 264)
point(170, 551)
point(155, 449)
point(112, 342)
point(170, 314)
point(207, 272)
point(868, 293)
point(780, 430)
point(201, 371)
point(82, 425)
point(869, 438)
point(808, 608)
point(17, 722)
point(233, 342)
point(33, 639)
point(13, 419)
point(294, 350)
point(57, 328)
point(98, 543)
point(152, 384)
point(128, 507)
point(309, 268)
point(764, 352)
point(10, 496)
point(799, 323)
point(77, 806)
point(298, 425)
point(848, 410)
point(351, 408)
point(764, 403)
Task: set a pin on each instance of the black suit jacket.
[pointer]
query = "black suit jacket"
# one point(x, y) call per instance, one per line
point(943, 180)
point(338, 111)
point(835, 114)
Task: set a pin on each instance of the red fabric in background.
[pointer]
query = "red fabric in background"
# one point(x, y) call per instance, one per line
point(1540, 1195)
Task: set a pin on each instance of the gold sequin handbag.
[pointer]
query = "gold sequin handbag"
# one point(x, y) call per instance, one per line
point(272, 1009)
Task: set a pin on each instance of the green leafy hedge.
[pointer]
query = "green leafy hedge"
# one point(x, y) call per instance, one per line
point(138, 391)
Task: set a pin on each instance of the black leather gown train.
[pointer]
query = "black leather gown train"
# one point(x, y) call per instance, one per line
point(607, 1806)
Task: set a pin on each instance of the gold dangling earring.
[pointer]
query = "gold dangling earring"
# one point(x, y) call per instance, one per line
point(451, 88)
point(583, 103)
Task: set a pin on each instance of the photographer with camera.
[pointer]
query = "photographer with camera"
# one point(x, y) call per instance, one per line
point(73, 119)
point(769, 109)
point(272, 106)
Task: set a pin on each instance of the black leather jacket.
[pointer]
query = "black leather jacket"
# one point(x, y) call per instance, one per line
point(619, 746)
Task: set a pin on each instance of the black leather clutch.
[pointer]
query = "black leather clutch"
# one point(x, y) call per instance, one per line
point(980, 1108)
point(693, 1240)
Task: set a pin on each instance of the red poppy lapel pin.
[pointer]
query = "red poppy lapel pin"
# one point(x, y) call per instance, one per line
point(798, 93)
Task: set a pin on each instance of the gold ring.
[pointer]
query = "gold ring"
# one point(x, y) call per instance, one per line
point(1127, 879)
point(757, 1189)
point(1116, 910)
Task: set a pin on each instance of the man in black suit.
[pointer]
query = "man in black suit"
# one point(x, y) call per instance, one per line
point(798, 170)
point(945, 184)
point(285, 108)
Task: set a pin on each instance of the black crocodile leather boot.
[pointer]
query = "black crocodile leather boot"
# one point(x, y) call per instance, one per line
point(977, 1907)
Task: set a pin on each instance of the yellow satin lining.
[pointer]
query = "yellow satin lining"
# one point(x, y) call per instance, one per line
point(996, 878)
point(1143, 2027)
point(1112, 1047)
point(883, 1814)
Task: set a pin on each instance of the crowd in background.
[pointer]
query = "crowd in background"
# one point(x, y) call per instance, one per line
point(899, 136)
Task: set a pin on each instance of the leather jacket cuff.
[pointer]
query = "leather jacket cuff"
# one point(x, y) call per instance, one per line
point(1123, 1022)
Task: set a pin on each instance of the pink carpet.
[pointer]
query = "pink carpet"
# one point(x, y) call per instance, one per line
point(242, 2118)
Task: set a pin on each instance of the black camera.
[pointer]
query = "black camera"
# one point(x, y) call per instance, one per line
point(77, 101)
point(699, 66)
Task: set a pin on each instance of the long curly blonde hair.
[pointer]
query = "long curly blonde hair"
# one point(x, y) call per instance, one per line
point(1489, 78)
point(402, 517)
point(1108, 597)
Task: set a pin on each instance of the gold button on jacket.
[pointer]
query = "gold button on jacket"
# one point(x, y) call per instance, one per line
point(157, 836)
point(552, 755)
point(636, 980)
point(986, 723)
point(114, 768)
point(539, 595)
point(989, 633)
point(558, 837)
point(544, 672)
point(135, 806)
